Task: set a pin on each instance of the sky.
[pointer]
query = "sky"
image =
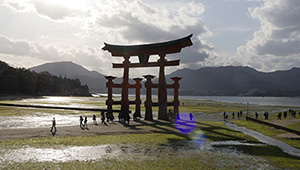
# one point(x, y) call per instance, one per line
point(262, 34)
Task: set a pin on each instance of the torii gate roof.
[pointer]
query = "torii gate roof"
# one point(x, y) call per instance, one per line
point(168, 47)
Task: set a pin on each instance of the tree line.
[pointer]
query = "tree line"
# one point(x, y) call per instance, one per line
point(21, 81)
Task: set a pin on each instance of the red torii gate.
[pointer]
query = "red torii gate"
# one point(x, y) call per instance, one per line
point(144, 52)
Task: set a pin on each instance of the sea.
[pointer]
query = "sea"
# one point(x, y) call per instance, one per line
point(266, 101)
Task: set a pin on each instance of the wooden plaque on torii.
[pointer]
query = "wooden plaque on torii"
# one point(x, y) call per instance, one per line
point(143, 52)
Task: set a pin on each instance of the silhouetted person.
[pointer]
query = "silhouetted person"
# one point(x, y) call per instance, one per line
point(134, 116)
point(279, 116)
point(120, 116)
point(85, 123)
point(238, 115)
point(107, 117)
point(171, 114)
point(81, 120)
point(224, 115)
point(94, 119)
point(285, 114)
point(103, 118)
point(241, 113)
point(232, 115)
point(127, 118)
point(191, 116)
point(112, 117)
point(53, 126)
point(294, 114)
point(256, 115)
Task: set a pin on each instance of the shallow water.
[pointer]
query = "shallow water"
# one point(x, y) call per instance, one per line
point(266, 139)
point(37, 121)
point(226, 157)
point(62, 101)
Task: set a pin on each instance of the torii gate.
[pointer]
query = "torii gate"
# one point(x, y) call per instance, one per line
point(143, 52)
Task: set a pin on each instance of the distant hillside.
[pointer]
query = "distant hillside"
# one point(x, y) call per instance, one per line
point(95, 81)
point(238, 81)
point(228, 81)
point(20, 81)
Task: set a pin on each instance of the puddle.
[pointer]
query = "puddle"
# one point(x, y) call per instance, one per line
point(80, 153)
point(225, 157)
point(266, 139)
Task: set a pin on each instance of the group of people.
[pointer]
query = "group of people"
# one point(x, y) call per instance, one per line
point(285, 114)
point(279, 115)
point(239, 114)
point(83, 126)
point(266, 115)
point(109, 118)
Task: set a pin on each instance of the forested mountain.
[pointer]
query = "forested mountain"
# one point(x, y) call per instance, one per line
point(226, 81)
point(95, 81)
point(234, 81)
point(20, 81)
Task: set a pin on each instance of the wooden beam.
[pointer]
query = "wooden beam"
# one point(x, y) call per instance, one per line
point(156, 104)
point(150, 64)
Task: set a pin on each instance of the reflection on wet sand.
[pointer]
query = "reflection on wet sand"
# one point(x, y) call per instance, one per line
point(94, 153)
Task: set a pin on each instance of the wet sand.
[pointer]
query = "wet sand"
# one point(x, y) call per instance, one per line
point(115, 128)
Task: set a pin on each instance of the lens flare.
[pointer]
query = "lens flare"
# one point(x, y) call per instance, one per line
point(198, 137)
point(185, 123)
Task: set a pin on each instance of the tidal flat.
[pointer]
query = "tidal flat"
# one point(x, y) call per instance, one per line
point(142, 144)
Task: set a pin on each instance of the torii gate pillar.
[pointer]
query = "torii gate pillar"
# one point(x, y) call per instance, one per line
point(162, 89)
point(125, 87)
point(148, 102)
point(176, 100)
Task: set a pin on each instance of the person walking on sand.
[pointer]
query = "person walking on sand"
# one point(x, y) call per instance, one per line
point(279, 116)
point(53, 126)
point(191, 116)
point(81, 120)
point(85, 123)
point(103, 118)
point(94, 120)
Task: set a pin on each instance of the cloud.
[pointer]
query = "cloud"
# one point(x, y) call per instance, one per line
point(53, 10)
point(16, 47)
point(111, 21)
point(276, 44)
point(140, 23)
